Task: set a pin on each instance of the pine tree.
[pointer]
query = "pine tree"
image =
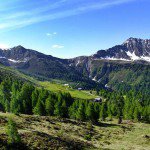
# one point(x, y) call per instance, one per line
point(80, 114)
point(4, 93)
point(146, 114)
point(39, 109)
point(49, 106)
point(12, 132)
point(103, 112)
point(64, 109)
point(7, 106)
point(97, 111)
point(120, 105)
point(34, 96)
point(43, 95)
point(58, 109)
point(109, 106)
point(15, 104)
point(73, 109)
point(25, 97)
point(136, 114)
point(90, 113)
point(126, 109)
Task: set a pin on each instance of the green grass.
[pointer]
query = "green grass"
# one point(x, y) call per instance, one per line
point(60, 87)
point(54, 133)
point(52, 86)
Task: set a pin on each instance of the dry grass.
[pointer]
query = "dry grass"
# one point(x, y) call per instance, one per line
point(54, 133)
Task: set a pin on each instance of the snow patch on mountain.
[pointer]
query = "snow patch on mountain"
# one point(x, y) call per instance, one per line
point(132, 57)
point(13, 60)
point(17, 61)
point(145, 58)
point(135, 57)
point(94, 79)
point(78, 62)
point(113, 58)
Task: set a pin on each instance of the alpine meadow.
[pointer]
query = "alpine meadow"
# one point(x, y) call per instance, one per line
point(58, 92)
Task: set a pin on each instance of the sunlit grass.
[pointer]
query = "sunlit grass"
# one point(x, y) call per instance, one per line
point(60, 87)
point(52, 130)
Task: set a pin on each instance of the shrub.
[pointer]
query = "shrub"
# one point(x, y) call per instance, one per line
point(88, 137)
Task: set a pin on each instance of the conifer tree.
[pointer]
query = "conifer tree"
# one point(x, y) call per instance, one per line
point(34, 96)
point(16, 104)
point(136, 114)
point(103, 112)
point(91, 113)
point(64, 109)
point(49, 106)
point(120, 105)
point(58, 109)
point(73, 109)
point(25, 97)
point(39, 109)
point(80, 114)
point(7, 106)
point(12, 132)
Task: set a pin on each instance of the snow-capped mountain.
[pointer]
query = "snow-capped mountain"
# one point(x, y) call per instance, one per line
point(133, 54)
point(132, 49)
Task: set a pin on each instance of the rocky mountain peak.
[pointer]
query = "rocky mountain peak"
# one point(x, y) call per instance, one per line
point(133, 49)
point(140, 47)
point(136, 41)
point(131, 40)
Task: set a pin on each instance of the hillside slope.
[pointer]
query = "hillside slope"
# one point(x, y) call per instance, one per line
point(53, 133)
point(119, 75)
point(41, 66)
point(53, 86)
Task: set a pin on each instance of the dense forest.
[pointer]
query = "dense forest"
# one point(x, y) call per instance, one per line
point(17, 97)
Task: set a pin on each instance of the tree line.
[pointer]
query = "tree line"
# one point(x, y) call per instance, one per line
point(18, 97)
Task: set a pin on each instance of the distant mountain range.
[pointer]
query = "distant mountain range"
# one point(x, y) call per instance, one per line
point(119, 64)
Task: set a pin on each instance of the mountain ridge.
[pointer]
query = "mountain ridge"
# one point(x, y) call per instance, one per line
point(86, 69)
point(132, 47)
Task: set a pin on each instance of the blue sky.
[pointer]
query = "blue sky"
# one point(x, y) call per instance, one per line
point(69, 28)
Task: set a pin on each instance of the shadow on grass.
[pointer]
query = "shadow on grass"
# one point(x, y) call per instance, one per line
point(75, 122)
point(44, 141)
point(5, 146)
point(102, 124)
point(63, 141)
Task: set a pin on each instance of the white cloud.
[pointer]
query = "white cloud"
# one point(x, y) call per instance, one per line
point(57, 46)
point(54, 33)
point(48, 34)
point(21, 19)
point(3, 46)
point(51, 34)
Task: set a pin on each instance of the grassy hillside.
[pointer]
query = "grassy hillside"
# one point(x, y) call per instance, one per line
point(83, 94)
point(55, 87)
point(53, 133)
